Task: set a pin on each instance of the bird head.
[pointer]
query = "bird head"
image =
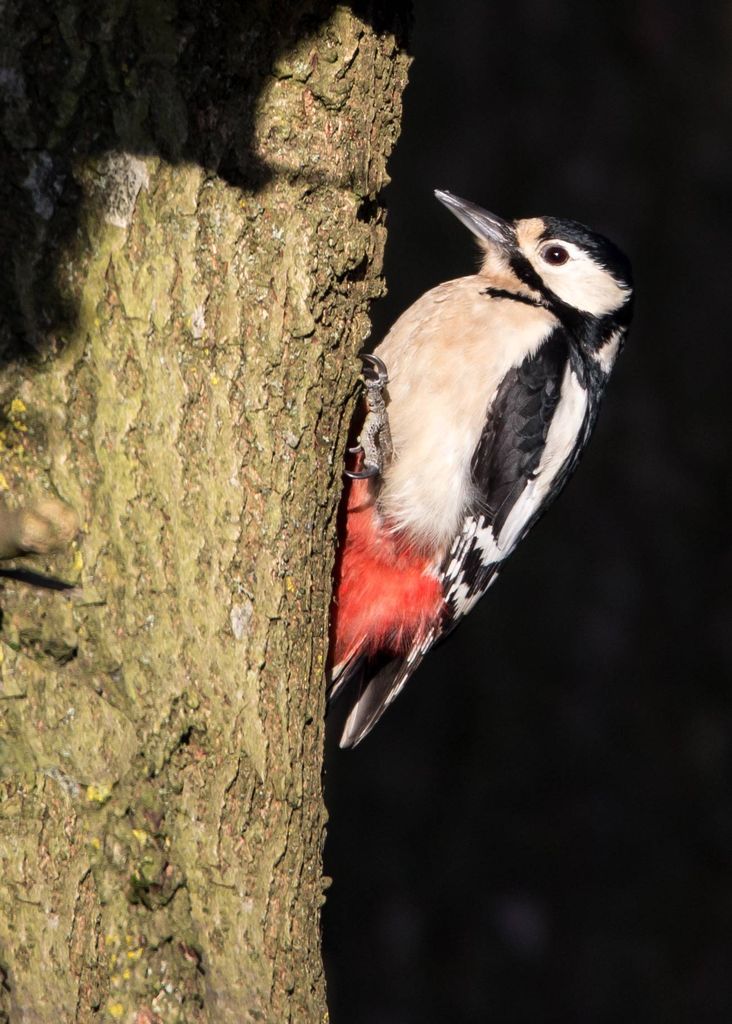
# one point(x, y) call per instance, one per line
point(561, 263)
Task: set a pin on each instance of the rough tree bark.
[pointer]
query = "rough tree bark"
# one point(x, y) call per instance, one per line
point(191, 236)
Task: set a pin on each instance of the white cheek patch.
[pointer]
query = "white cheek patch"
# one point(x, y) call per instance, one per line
point(580, 282)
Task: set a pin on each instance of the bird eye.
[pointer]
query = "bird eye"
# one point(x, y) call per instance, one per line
point(554, 254)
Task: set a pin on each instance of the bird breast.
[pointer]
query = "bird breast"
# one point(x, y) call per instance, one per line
point(446, 357)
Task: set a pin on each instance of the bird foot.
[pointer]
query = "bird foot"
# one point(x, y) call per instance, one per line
point(374, 441)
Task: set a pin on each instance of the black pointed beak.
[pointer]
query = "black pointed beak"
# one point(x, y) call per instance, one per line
point(483, 225)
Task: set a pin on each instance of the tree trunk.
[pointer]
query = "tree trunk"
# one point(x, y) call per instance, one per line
point(191, 239)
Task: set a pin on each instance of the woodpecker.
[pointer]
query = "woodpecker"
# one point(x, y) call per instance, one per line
point(479, 402)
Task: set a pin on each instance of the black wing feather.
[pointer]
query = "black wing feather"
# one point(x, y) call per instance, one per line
point(505, 460)
point(513, 440)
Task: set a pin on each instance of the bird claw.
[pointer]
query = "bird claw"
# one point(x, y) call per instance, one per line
point(375, 438)
point(364, 474)
point(377, 368)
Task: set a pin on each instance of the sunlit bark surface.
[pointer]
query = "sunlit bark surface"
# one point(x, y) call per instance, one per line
point(191, 239)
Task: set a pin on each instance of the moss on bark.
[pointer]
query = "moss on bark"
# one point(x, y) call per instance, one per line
point(194, 252)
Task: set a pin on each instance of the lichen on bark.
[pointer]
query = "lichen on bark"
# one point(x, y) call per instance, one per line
point(192, 266)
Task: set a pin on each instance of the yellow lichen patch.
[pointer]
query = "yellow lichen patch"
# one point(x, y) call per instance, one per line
point(98, 794)
point(78, 563)
point(116, 1010)
point(16, 411)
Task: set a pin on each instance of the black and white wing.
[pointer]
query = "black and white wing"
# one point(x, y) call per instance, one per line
point(538, 424)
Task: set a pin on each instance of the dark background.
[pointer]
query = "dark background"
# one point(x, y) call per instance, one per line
point(541, 827)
